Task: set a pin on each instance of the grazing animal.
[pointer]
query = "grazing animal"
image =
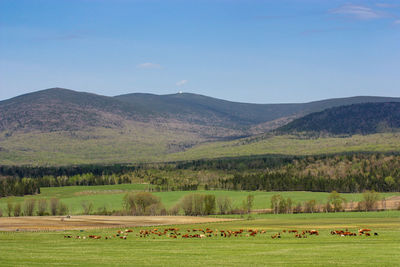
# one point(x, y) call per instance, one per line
point(314, 232)
point(362, 231)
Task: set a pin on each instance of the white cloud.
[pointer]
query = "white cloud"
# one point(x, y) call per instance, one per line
point(182, 82)
point(358, 12)
point(149, 65)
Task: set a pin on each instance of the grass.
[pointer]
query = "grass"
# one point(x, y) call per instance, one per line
point(111, 196)
point(50, 248)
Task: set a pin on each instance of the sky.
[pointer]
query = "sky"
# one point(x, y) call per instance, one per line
point(240, 50)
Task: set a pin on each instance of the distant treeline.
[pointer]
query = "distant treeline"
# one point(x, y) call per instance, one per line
point(350, 172)
point(36, 172)
point(285, 182)
point(18, 186)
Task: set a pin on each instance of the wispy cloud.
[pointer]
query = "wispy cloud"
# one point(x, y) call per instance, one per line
point(358, 12)
point(182, 82)
point(149, 65)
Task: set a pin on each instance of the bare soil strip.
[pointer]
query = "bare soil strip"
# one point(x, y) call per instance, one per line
point(56, 223)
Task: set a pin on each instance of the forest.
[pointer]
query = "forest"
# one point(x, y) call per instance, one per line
point(346, 173)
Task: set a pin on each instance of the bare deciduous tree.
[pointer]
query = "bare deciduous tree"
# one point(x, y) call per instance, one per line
point(370, 200)
point(17, 209)
point(29, 206)
point(42, 207)
point(10, 208)
point(54, 202)
point(224, 204)
point(87, 207)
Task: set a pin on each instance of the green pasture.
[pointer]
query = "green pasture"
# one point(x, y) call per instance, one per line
point(111, 196)
point(50, 248)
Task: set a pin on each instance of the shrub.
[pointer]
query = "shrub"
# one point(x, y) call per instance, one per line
point(154, 209)
point(209, 204)
point(249, 203)
point(310, 206)
point(10, 208)
point(328, 207)
point(137, 203)
point(370, 199)
point(174, 210)
point(281, 205)
point(54, 204)
point(102, 211)
point(224, 205)
point(298, 208)
point(336, 200)
point(17, 209)
point(275, 203)
point(198, 204)
point(87, 207)
point(163, 211)
point(29, 206)
point(187, 204)
point(62, 208)
point(129, 203)
point(42, 207)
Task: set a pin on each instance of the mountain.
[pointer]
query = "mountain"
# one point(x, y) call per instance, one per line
point(65, 110)
point(210, 111)
point(61, 126)
point(366, 118)
point(59, 109)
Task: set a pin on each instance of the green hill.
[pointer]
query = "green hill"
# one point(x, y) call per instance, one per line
point(60, 127)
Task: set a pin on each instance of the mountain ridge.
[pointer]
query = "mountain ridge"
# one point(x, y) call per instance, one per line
point(364, 118)
point(57, 109)
point(64, 126)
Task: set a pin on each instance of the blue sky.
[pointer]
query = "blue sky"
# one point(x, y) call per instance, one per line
point(247, 51)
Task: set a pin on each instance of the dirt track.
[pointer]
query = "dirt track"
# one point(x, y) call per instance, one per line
point(54, 223)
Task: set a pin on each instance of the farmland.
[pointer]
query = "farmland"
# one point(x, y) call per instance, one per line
point(111, 196)
point(51, 248)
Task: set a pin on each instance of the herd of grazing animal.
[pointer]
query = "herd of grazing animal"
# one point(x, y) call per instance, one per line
point(296, 233)
point(346, 232)
point(120, 234)
point(174, 233)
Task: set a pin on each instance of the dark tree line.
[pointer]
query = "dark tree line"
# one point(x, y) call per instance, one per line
point(18, 187)
point(348, 172)
point(284, 182)
point(36, 172)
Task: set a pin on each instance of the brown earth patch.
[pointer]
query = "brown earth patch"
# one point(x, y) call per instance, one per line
point(54, 223)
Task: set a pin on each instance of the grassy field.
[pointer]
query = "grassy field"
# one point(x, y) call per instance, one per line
point(111, 196)
point(50, 248)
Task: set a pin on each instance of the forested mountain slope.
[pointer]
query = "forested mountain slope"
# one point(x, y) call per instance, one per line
point(366, 118)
